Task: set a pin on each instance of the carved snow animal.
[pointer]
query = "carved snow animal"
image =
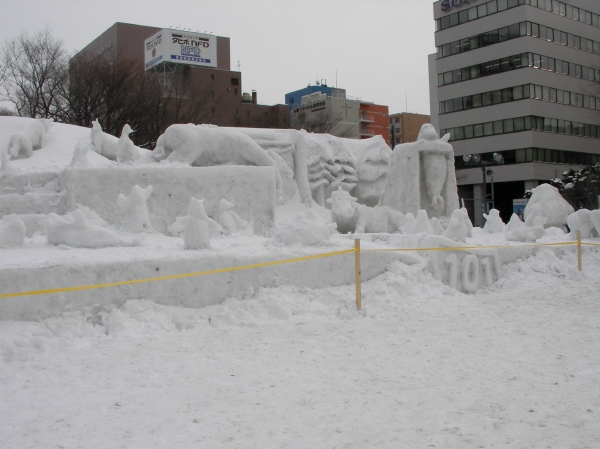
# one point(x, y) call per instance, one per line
point(493, 222)
point(458, 229)
point(580, 221)
point(547, 202)
point(104, 144)
point(198, 226)
point(6, 168)
point(421, 176)
point(12, 231)
point(356, 218)
point(228, 219)
point(127, 153)
point(202, 145)
point(515, 223)
point(74, 230)
point(79, 158)
point(135, 209)
point(23, 144)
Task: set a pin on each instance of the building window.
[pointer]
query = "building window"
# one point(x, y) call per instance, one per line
point(235, 82)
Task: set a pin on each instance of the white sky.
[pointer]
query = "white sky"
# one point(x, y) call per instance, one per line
point(378, 47)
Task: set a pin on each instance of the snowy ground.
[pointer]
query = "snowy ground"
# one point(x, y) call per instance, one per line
point(421, 366)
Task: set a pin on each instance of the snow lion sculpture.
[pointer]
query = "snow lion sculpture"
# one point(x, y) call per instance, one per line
point(206, 145)
point(353, 217)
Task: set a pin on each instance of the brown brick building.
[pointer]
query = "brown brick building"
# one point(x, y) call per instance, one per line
point(405, 127)
point(227, 107)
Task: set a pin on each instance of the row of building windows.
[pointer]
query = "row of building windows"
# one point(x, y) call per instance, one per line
point(523, 155)
point(518, 124)
point(514, 31)
point(517, 62)
point(494, 6)
point(525, 91)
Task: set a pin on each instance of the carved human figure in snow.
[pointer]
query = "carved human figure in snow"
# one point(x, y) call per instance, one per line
point(104, 144)
point(198, 226)
point(228, 219)
point(126, 150)
point(353, 217)
point(421, 176)
point(135, 209)
point(493, 221)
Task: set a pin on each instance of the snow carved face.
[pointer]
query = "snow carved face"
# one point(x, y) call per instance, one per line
point(341, 203)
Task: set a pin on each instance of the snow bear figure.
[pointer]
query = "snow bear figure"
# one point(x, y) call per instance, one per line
point(357, 218)
point(493, 222)
point(79, 158)
point(12, 231)
point(198, 226)
point(135, 208)
point(127, 153)
point(228, 219)
point(23, 144)
point(421, 175)
point(201, 146)
point(104, 144)
point(74, 230)
point(580, 221)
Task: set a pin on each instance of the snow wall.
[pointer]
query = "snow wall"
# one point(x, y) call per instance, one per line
point(251, 189)
point(194, 292)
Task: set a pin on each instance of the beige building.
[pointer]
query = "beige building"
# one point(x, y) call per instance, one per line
point(405, 127)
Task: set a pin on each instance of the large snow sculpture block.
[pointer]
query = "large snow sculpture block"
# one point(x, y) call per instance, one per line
point(353, 217)
point(547, 202)
point(251, 189)
point(202, 145)
point(421, 176)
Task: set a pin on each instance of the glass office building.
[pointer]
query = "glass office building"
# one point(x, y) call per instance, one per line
point(519, 78)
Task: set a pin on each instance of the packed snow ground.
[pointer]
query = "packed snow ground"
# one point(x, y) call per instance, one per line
point(420, 366)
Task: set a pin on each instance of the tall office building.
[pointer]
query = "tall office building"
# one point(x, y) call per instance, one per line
point(519, 79)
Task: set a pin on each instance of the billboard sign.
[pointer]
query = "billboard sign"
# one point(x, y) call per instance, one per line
point(519, 207)
point(182, 47)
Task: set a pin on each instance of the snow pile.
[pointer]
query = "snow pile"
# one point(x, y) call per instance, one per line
point(304, 229)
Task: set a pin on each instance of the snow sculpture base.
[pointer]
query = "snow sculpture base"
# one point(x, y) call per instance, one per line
point(252, 189)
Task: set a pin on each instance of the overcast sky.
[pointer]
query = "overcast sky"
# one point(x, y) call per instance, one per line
point(378, 47)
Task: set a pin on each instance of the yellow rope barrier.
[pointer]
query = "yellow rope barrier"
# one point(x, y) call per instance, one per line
point(464, 248)
point(176, 276)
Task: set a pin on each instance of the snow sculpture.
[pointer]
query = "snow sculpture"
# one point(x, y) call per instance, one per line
point(230, 221)
point(535, 217)
point(12, 231)
point(304, 230)
point(357, 218)
point(135, 209)
point(104, 144)
point(467, 221)
point(80, 156)
point(410, 225)
point(198, 226)
point(525, 234)
point(74, 230)
point(6, 168)
point(126, 150)
point(547, 202)
point(421, 176)
point(422, 224)
point(595, 219)
point(493, 222)
point(209, 145)
point(457, 229)
point(514, 223)
point(29, 140)
point(437, 227)
point(581, 221)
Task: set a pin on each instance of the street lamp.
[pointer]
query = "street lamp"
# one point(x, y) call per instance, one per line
point(477, 161)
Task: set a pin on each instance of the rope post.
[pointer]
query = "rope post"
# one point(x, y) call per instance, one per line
point(579, 261)
point(357, 273)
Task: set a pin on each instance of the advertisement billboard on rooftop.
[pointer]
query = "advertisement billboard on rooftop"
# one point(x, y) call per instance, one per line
point(182, 47)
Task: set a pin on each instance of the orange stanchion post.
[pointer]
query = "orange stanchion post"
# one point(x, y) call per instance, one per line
point(579, 260)
point(357, 273)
